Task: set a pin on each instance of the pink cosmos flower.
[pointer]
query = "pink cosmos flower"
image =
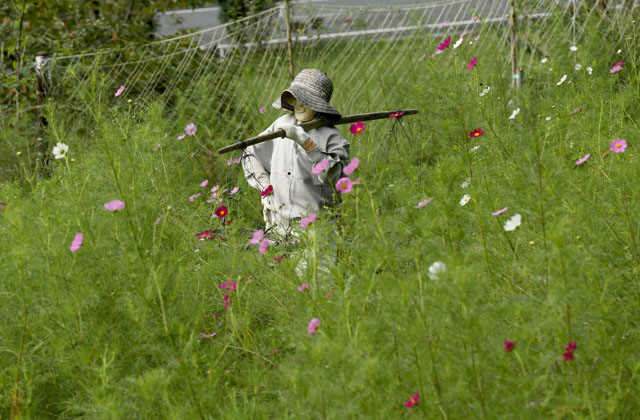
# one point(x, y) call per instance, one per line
point(618, 145)
point(347, 20)
point(413, 401)
point(192, 154)
point(76, 243)
point(473, 19)
point(257, 237)
point(190, 129)
point(422, 57)
point(204, 336)
point(207, 234)
point(234, 190)
point(509, 346)
point(344, 185)
point(119, 91)
point(180, 137)
point(229, 285)
point(443, 23)
point(204, 183)
point(306, 221)
point(617, 67)
point(443, 45)
point(348, 170)
point(231, 161)
point(194, 196)
point(472, 63)
point(303, 287)
point(356, 181)
point(114, 205)
point(498, 212)
point(583, 159)
point(263, 246)
point(357, 128)
point(321, 166)
point(261, 110)
point(313, 325)
point(423, 203)
point(396, 114)
point(227, 301)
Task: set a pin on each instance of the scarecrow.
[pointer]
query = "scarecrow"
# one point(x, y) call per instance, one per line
point(281, 169)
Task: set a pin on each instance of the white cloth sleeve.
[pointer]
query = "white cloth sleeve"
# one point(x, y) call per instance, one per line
point(256, 163)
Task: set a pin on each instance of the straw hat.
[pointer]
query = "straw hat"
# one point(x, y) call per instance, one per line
point(313, 88)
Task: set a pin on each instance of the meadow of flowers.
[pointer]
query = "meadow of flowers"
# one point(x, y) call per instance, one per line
point(487, 258)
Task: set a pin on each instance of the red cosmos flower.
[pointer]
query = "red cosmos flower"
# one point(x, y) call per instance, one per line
point(509, 346)
point(413, 401)
point(278, 258)
point(443, 45)
point(222, 211)
point(207, 234)
point(568, 351)
point(476, 133)
point(396, 114)
point(568, 356)
point(357, 128)
point(227, 222)
point(267, 191)
point(572, 346)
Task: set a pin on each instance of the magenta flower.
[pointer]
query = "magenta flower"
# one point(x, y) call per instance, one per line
point(498, 212)
point(267, 191)
point(357, 128)
point(396, 114)
point(114, 205)
point(443, 45)
point(509, 346)
point(476, 133)
point(313, 325)
point(190, 129)
point(348, 170)
point(194, 196)
point(618, 145)
point(306, 221)
point(303, 287)
point(423, 203)
point(119, 91)
point(222, 211)
point(278, 258)
point(568, 351)
point(321, 166)
point(583, 159)
point(76, 243)
point(257, 237)
point(413, 401)
point(472, 63)
point(347, 20)
point(204, 183)
point(261, 110)
point(344, 185)
point(207, 234)
point(204, 336)
point(263, 246)
point(227, 301)
point(229, 285)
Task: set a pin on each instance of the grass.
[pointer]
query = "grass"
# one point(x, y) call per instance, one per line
point(112, 331)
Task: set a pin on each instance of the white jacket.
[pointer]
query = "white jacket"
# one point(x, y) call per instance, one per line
point(285, 165)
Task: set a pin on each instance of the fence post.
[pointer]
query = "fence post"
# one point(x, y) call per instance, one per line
point(40, 65)
point(516, 74)
point(289, 44)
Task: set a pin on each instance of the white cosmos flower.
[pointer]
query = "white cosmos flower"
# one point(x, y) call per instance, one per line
point(578, 66)
point(457, 44)
point(573, 48)
point(474, 148)
point(485, 91)
point(544, 60)
point(548, 118)
point(466, 183)
point(562, 79)
point(436, 268)
point(590, 70)
point(60, 150)
point(514, 113)
point(619, 51)
point(513, 223)
point(465, 199)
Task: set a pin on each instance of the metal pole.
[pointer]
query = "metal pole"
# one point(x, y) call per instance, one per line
point(289, 43)
point(516, 74)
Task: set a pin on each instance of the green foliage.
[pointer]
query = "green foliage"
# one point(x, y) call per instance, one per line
point(112, 331)
point(238, 9)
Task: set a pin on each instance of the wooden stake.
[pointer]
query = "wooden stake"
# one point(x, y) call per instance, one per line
point(516, 74)
point(289, 43)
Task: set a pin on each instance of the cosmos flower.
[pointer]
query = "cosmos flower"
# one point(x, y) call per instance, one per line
point(230, 285)
point(573, 48)
point(562, 79)
point(306, 221)
point(436, 268)
point(257, 237)
point(357, 128)
point(352, 166)
point(264, 245)
point(498, 212)
point(77, 242)
point(583, 159)
point(222, 211)
point(194, 196)
point(320, 166)
point(303, 287)
point(190, 129)
point(207, 234)
point(476, 133)
point(472, 63)
point(413, 401)
point(60, 150)
point(313, 326)
point(443, 45)
point(485, 91)
point(344, 185)
point(514, 113)
point(119, 91)
point(396, 114)
point(544, 60)
point(261, 110)
point(204, 183)
point(513, 223)
point(509, 346)
point(114, 205)
point(618, 145)
point(423, 203)
point(617, 67)
point(267, 191)
point(465, 199)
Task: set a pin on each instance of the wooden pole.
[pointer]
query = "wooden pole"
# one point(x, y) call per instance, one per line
point(315, 124)
point(516, 74)
point(289, 43)
point(41, 96)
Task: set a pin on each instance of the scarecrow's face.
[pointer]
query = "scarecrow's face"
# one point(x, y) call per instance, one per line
point(303, 114)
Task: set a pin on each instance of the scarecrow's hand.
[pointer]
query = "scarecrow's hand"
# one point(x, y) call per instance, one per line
point(297, 134)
